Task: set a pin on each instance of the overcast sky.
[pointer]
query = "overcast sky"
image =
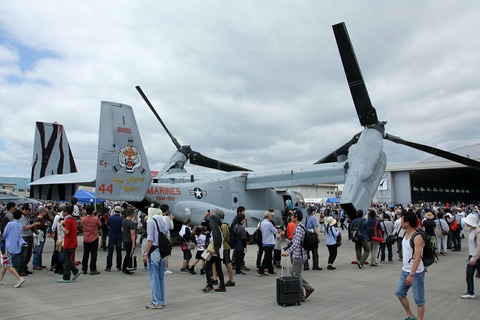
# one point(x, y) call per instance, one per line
point(255, 83)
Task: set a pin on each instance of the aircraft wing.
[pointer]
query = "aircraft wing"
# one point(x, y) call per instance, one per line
point(314, 174)
point(84, 179)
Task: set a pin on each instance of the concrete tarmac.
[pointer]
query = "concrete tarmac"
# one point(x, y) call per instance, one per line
point(344, 293)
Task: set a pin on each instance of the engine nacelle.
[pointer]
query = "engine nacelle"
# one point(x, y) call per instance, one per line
point(366, 166)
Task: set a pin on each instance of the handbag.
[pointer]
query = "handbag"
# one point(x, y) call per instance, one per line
point(206, 255)
point(210, 248)
point(391, 238)
point(59, 245)
point(377, 234)
point(339, 239)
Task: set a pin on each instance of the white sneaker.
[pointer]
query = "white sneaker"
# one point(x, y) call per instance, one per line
point(168, 272)
point(19, 283)
point(468, 296)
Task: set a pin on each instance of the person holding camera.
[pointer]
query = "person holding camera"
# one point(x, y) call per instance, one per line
point(27, 235)
point(40, 239)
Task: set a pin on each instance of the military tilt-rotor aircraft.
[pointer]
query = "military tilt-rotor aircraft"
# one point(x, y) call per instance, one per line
point(123, 174)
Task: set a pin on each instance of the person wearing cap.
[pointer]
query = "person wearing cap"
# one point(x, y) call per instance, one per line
point(471, 222)
point(331, 241)
point(115, 239)
point(311, 225)
point(40, 239)
point(361, 224)
point(429, 227)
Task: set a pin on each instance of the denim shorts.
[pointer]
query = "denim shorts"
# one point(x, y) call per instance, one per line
point(417, 287)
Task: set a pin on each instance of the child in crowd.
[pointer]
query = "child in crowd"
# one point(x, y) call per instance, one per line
point(277, 249)
point(201, 239)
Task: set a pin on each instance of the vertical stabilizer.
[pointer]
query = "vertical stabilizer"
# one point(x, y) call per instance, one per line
point(122, 167)
point(51, 156)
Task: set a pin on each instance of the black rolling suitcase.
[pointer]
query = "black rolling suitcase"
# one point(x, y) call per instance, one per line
point(288, 290)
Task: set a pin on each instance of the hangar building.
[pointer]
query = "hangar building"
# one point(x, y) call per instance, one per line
point(434, 179)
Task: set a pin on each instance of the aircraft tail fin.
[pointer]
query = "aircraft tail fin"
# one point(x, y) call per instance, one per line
point(122, 167)
point(51, 156)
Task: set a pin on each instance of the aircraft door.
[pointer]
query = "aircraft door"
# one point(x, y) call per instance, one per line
point(235, 200)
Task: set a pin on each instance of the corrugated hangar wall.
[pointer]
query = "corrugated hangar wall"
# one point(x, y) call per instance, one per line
point(445, 185)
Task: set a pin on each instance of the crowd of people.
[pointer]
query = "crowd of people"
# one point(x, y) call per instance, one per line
point(381, 233)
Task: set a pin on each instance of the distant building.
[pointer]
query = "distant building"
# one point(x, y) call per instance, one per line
point(18, 185)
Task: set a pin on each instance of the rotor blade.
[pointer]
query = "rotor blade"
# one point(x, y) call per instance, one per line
point(365, 111)
point(174, 140)
point(204, 161)
point(436, 152)
point(343, 150)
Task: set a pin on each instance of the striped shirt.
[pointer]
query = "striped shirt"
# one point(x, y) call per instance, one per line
point(296, 250)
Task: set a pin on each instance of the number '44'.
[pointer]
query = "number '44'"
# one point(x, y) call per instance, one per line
point(108, 189)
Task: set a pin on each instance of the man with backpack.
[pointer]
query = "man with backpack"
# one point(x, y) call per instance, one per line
point(360, 235)
point(299, 254)
point(312, 226)
point(156, 263)
point(413, 271)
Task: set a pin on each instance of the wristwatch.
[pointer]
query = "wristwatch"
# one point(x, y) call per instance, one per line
point(412, 274)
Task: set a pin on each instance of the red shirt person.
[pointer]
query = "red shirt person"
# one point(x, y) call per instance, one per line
point(90, 225)
point(69, 227)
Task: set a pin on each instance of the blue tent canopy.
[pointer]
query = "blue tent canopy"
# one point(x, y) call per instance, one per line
point(84, 196)
point(333, 200)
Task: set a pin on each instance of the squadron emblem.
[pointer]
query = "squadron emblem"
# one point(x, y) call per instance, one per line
point(130, 159)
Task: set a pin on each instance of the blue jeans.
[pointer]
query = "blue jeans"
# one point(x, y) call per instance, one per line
point(37, 254)
point(156, 274)
point(117, 244)
point(382, 251)
point(417, 287)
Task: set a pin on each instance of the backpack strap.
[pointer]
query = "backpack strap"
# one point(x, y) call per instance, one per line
point(158, 229)
point(385, 228)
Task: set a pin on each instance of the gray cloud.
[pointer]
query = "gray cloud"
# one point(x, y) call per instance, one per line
point(259, 84)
